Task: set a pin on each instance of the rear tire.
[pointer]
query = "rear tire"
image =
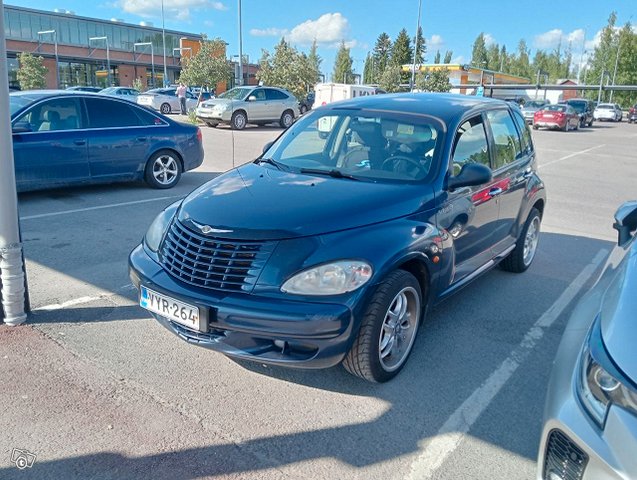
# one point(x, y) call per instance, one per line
point(303, 109)
point(287, 119)
point(163, 170)
point(212, 124)
point(388, 329)
point(165, 108)
point(525, 248)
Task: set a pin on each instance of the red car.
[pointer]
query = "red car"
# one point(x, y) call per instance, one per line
point(560, 116)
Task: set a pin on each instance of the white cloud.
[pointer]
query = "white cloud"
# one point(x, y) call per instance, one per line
point(459, 59)
point(548, 39)
point(488, 39)
point(329, 30)
point(180, 9)
point(552, 38)
point(268, 32)
point(436, 42)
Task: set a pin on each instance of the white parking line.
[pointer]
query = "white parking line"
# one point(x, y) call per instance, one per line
point(100, 207)
point(436, 450)
point(571, 155)
point(81, 300)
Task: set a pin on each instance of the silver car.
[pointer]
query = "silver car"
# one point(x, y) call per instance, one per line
point(590, 420)
point(532, 106)
point(166, 100)
point(257, 105)
point(125, 93)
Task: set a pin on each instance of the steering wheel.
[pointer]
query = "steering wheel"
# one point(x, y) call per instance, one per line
point(402, 158)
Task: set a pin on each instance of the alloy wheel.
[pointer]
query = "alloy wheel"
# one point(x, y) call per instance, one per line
point(531, 241)
point(399, 329)
point(165, 169)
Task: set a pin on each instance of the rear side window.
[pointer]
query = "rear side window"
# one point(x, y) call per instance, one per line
point(471, 145)
point(104, 113)
point(525, 133)
point(505, 137)
point(272, 94)
point(147, 117)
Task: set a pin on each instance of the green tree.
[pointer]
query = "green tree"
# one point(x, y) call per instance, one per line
point(208, 66)
point(315, 61)
point(603, 58)
point(479, 56)
point(390, 79)
point(520, 64)
point(493, 57)
point(433, 80)
point(448, 55)
point(626, 66)
point(402, 53)
point(343, 66)
point(421, 47)
point(32, 72)
point(504, 59)
point(381, 56)
point(138, 84)
point(437, 57)
point(368, 70)
point(288, 68)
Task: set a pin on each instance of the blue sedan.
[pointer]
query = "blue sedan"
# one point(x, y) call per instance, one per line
point(68, 138)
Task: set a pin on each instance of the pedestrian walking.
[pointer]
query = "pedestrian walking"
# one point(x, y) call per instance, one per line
point(181, 93)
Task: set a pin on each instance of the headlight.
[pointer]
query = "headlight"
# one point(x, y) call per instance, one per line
point(329, 279)
point(221, 107)
point(157, 229)
point(600, 383)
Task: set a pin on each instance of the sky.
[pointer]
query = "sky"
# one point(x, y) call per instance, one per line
point(446, 25)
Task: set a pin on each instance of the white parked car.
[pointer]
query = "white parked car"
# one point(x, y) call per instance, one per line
point(125, 93)
point(608, 111)
point(165, 100)
point(257, 105)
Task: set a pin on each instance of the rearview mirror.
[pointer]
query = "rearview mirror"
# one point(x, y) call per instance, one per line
point(625, 222)
point(471, 174)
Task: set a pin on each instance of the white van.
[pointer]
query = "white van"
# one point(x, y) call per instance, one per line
point(325, 93)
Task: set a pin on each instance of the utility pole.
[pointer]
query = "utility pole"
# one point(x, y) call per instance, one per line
point(240, 48)
point(619, 44)
point(12, 279)
point(163, 41)
point(413, 66)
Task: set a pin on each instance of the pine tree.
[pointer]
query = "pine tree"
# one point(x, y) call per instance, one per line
point(390, 79)
point(421, 47)
point(402, 54)
point(479, 57)
point(343, 66)
point(437, 57)
point(368, 70)
point(381, 56)
point(314, 61)
point(448, 55)
point(493, 57)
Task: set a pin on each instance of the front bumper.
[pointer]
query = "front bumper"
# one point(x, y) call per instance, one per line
point(246, 326)
point(212, 114)
point(582, 449)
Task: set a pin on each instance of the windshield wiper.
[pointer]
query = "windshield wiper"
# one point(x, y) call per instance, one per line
point(332, 173)
point(269, 161)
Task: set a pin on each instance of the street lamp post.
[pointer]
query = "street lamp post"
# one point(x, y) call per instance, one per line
point(108, 56)
point(619, 44)
point(601, 81)
point(152, 58)
point(240, 48)
point(163, 40)
point(57, 63)
point(413, 66)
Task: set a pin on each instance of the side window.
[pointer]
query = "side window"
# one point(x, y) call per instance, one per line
point(104, 113)
point(505, 137)
point(470, 145)
point(525, 137)
point(147, 117)
point(272, 94)
point(56, 114)
point(259, 93)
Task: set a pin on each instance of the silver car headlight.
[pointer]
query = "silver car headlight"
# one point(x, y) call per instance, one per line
point(600, 383)
point(330, 278)
point(221, 108)
point(157, 229)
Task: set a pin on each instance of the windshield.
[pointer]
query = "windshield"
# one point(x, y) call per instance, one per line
point(556, 108)
point(109, 90)
point(578, 106)
point(606, 106)
point(373, 146)
point(16, 102)
point(236, 93)
point(534, 104)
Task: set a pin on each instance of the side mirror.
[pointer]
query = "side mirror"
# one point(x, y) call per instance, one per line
point(267, 146)
point(471, 174)
point(625, 222)
point(21, 127)
point(252, 98)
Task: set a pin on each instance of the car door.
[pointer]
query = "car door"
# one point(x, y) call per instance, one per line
point(470, 214)
point(257, 108)
point(512, 168)
point(275, 103)
point(118, 141)
point(50, 145)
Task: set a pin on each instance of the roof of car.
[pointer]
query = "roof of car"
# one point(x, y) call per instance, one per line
point(441, 105)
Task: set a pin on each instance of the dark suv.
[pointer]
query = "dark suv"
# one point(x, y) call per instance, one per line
point(330, 250)
point(585, 109)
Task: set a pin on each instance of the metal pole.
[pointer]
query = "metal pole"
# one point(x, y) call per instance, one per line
point(413, 66)
point(57, 60)
point(240, 49)
point(12, 291)
point(619, 44)
point(163, 39)
point(108, 64)
point(537, 84)
point(601, 80)
point(581, 58)
point(152, 64)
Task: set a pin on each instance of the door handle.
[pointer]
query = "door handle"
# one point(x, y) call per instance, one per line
point(142, 139)
point(79, 141)
point(494, 192)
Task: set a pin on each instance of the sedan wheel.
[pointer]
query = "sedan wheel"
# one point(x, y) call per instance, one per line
point(238, 121)
point(165, 108)
point(526, 246)
point(163, 170)
point(388, 329)
point(287, 119)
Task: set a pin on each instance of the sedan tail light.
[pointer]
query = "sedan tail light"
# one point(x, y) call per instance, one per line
point(199, 135)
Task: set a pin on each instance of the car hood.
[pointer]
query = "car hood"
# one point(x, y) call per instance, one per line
point(619, 316)
point(255, 202)
point(218, 101)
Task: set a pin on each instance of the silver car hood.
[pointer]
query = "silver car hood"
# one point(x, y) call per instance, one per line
point(619, 315)
point(218, 101)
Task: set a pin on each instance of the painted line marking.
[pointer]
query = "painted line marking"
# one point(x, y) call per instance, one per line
point(571, 155)
point(100, 207)
point(443, 444)
point(81, 300)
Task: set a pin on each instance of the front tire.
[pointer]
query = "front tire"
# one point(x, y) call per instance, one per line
point(287, 119)
point(163, 170)
point(165, 108)
point(388, 329)
point(238, 121)
point(526, 246)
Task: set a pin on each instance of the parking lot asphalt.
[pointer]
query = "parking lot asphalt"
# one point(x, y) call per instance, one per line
point(96, 389)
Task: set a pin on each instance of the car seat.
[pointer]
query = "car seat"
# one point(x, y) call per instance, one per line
point(51, 121)
point(369, 135)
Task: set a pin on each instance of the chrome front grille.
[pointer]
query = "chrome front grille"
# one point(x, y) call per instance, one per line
point(215, 263)
point(563, 458)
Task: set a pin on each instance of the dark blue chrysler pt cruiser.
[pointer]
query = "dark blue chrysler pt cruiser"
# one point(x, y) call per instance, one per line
point(333, 244)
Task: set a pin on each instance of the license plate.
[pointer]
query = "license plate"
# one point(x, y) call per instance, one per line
point(145, 100)
point(180, 312)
